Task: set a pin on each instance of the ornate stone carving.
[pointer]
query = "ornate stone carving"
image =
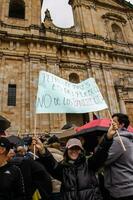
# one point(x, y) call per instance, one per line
point(114, 17)
point(73, 66)
point(47, 15)
point(117, 33)
point(124, 82)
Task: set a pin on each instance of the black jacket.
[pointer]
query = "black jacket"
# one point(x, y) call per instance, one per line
point(11, 183)
point(35, 177)
point(78, 179)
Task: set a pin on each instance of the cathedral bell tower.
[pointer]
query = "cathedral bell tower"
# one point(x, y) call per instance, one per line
point(83, 15)
point(21, 12)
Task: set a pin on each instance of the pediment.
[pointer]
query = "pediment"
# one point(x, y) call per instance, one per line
point(114, 16)
point(116, 3)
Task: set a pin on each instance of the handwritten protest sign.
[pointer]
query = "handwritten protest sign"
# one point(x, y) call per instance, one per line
point(56, 95)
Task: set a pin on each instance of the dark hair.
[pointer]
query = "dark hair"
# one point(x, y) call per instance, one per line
point(27, 140)
point(4, 142)
point(122, 119)
point(67, 126)
point(53, 139)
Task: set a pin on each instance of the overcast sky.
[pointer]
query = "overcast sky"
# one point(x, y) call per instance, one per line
point(61, 12)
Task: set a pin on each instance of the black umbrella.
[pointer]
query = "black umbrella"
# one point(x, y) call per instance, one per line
point(4, 123)
point(16, 140)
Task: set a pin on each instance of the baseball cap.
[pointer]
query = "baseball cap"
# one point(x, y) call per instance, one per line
point(4, 142)
point(74, 142)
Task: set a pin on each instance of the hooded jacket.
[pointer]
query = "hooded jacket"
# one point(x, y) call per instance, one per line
point(78, 178)
point(119, 166)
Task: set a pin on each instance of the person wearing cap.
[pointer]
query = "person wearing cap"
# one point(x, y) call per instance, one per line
point(12, 186)
point(76, 172)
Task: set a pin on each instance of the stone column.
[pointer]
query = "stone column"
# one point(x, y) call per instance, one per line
point(81, 12)
point(111, 94)
point(130, 19)
point(121, 102)
point(27, 92)
point(55, 119)
point(32, 90)
point(94, 70)
point(2, 60)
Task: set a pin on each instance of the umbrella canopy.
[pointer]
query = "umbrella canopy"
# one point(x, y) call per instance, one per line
point(4, 123)
point(98, 125)
point(92, 132)
point(15, 140)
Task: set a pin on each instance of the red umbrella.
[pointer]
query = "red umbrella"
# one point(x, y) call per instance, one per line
point(92, 130)
point(97, 125)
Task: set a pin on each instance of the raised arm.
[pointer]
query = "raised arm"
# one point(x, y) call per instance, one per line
point(46, 158)
point(100, 156)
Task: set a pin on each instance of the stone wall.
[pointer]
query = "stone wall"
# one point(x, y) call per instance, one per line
point(87, 49)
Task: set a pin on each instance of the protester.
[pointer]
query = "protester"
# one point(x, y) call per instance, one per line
point(11, 154)
point(76, 173)
point(35, 176)
point(54, 146)
point(119, 164)
point(12, 186)
point(37, 181)
point(20, 151)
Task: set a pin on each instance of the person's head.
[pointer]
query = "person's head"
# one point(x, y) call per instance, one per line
point(27, 140)
point(121, 119)
point(28, 143)
point(54, 142)
point(11, 154)
point(20, 150)
point(4, 146)
point(73, 148)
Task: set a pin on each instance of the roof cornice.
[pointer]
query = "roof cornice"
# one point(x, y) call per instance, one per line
point(121, 2)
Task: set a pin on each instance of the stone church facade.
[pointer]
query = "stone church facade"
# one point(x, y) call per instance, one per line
point(99, 45)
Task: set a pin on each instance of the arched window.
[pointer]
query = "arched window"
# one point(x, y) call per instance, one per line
point(117, 33)
point(17, 9)
point(74, 78)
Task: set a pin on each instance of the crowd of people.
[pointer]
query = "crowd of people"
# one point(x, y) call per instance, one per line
point(42, 170)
